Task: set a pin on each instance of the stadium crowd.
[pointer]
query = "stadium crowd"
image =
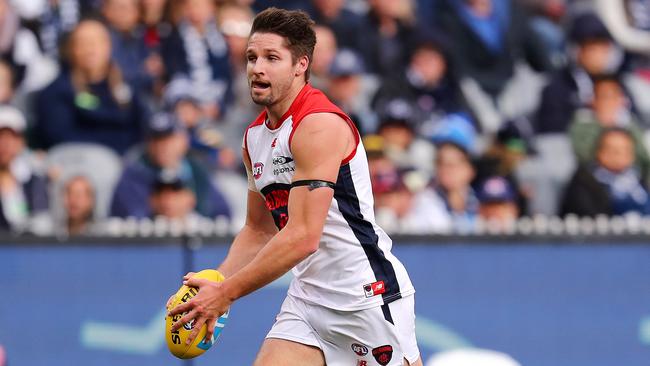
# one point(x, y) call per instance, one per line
point(470, 110)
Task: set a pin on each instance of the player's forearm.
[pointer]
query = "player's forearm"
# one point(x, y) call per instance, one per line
point(244, 248)
point(277, 257)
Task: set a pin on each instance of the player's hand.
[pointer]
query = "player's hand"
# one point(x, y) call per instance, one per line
point(187, 276)
point(204, 308)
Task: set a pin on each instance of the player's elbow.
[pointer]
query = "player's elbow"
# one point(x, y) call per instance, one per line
point(306, 241)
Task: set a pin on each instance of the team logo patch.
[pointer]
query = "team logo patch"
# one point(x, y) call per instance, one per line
point(375, 288)
point(359, 349)
point(383, 354)
point(257, 170)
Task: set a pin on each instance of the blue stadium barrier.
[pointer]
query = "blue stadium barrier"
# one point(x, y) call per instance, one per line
point(543, 304)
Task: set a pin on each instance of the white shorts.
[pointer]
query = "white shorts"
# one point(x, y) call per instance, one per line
point(377, 336)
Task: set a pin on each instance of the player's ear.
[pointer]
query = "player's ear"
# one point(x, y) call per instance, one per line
point(302, 65)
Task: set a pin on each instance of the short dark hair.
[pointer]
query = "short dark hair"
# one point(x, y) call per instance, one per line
point(294, 25)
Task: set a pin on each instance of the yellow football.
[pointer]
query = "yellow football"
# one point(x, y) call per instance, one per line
point(176, 340)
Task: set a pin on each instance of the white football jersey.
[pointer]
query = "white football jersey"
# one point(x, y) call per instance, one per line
point(353, 267)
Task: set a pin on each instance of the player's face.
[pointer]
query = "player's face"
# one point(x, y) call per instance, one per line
point(270, 68)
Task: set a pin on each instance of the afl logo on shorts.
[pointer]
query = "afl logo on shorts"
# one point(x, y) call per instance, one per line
point(359, 349)
point(257, 170)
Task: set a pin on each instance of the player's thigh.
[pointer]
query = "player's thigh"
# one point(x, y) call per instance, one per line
point(281, 352)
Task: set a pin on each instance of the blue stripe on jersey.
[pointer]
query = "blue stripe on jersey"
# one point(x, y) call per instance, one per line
point(348, 202)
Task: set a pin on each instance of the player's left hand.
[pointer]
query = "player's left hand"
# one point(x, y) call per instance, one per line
point(205, 308)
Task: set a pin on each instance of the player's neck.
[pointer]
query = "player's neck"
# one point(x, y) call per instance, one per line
point(278, 109)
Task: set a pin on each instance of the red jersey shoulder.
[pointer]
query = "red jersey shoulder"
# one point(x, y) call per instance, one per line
point(315, 101)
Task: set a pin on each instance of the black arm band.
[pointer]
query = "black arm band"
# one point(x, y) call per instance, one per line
point(313, 184)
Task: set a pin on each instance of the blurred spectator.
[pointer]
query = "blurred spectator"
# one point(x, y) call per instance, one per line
point(23, 193)
point(448, 204)
point(428, 83)
point(490, 37)
point(206, 141)
point(58, 18)
point(155, 20)
point(512, 144)
point(235, 21)
point(343, 22)
point(593, 53)
point(79, 207)
point(498, 203)
point(324, 54)
point(348, 88)
point(19, 48)
point(546, 21)
point(90, 101)
point(610, 108)
point(129, 51)
point(166, 150)
point(198, 49)
point(402, 144)
point(172, 198)
point(628, 21)
point(385, 36)
point(611, 184)
point(6, 83)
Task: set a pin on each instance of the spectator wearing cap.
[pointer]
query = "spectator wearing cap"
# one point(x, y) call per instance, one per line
point(448, 204)
point(592, 54)
point(610, 108)
point(90, 101)
point(397, 125)
point(198, 49)
point(610, 184)
point(512, 145)
point(166, 149)
point(349, 89)
point(428, 82)
point(23, 192)
point(206, 140)
point(173, 199)
point(497, 202)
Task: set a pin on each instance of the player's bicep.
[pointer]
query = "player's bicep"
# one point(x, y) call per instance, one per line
point(318, 147)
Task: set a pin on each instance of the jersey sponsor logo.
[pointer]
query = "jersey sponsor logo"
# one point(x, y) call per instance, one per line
point(374, 289)
point(383, 354)
point(258, 168)
point(359, 349)
point(281, 160)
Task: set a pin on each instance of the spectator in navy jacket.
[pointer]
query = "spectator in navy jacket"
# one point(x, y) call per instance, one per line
point(165, 152)
point(23, 194)
point(90, 101)
point(199, 50)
